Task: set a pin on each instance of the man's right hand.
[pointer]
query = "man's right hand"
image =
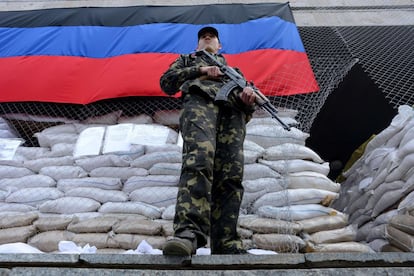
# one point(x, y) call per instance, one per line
point(212, 72)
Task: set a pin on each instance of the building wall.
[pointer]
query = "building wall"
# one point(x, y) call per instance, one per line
point(306, 12)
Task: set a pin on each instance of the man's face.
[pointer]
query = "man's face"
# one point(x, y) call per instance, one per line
point(209, 42)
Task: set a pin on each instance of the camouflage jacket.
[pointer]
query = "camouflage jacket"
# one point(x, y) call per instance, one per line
point(184, 75)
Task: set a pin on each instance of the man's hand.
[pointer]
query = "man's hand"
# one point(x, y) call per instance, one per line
point(212, 72)
point(248, 96)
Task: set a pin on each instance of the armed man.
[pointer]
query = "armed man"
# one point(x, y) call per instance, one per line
point(210, 187)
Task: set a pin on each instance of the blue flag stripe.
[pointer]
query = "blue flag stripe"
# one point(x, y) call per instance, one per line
point(101, 42)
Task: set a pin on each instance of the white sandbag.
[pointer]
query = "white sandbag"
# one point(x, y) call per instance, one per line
point(148, 160)
point(251, 157)
point(110, 160)
point(162, 148)
point(314, 180)
point(89, 142)
point(130, 241)
point(256, 171)
point(129, 207)
point(408, 135)
point(328, 222)
point(14, 172)
point(381, 190)
point(169, 212)
point(388, 199)
point(99, 224)
point(62, 172)
point(139, 119)
point(134, 152)
point(3, 194)
point(137, 182)
point(137, 225)
point(61, 149)
point(106, 183)
point(252, 146)
point(267, 184)
point(34, 196)
point(281, 243)
point(339, 247)
point(48, 241)
point(296, 165)
point(17, 219)
point(122, 173)
point(63, 128)
point(98, 194)
point(406, 164)
point(166, 169)
point(273, 135)
point(15, 207)
point(167, 117)
point(400, 239)
point(158, 196)
point(110, 118)
point(267, 226)
point(18, 248)
point(31, 153)
point(405, 114)
point(374, 159)
point(29, 181)
point(249, 198)
point(295, 197)
point(390, 162)
point(345, 234)
point(291, 151)
point(385, 218)
point(69, 205)
point(36, 165)
point(16, 234)
point(48, 222)
point(404, 223)
point(376, 232)
point(363, 231)
point(47, 140)
point(153, 134)
point(295, 212)
point(378, 244)
point(406, 205)
point(117, 138)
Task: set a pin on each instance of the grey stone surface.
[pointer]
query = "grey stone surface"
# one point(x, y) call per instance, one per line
point(359, 259)
point(25, 258)
point(229, 261)
point(35, 271)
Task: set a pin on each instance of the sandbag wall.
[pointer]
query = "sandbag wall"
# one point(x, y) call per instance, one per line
point(378, 193)
point(116, 200)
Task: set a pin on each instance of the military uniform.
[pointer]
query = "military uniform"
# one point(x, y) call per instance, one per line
point(210, 188)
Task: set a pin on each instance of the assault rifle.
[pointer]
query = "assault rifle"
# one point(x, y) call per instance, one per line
point(237, 80)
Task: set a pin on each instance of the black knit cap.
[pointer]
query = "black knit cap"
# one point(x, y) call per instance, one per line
point(207, 29)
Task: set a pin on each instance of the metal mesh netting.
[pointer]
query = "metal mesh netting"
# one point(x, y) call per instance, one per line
point(384, 52)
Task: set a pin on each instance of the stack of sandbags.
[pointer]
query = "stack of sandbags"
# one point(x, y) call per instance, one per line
point(379, 186)
point(285, 184)
point(108, 233)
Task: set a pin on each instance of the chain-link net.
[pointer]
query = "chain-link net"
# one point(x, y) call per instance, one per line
point(384, 52)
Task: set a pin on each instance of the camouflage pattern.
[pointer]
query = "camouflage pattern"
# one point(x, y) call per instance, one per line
point(210, 189)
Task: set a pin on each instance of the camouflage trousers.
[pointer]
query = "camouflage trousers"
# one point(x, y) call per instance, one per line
point(210, 189)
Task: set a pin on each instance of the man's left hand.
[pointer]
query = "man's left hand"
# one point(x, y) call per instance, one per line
point(248, 96)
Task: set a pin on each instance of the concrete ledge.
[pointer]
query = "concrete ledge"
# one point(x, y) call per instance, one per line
point(35, 271)
point(403, 262)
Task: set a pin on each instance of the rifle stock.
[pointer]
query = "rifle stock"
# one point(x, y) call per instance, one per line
point(237, 80)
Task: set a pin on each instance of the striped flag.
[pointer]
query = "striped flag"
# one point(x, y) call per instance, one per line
point(83, 55)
